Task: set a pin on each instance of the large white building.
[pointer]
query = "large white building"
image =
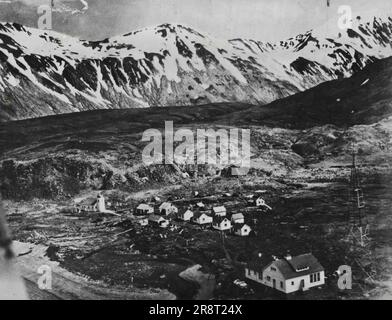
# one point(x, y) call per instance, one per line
point(290, 274)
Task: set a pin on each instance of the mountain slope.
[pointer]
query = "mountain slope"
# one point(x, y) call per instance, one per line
point(60, 155)
point(365, 98)
point(44, 72)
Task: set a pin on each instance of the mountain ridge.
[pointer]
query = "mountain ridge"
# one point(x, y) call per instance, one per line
point(44, 72)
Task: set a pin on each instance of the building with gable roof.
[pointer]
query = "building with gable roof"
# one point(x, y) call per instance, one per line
point(290, 274)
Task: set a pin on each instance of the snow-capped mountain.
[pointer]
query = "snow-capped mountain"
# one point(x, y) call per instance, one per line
point(44, 72)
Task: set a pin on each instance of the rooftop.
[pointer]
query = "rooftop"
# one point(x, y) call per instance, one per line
point(291, 268)
point(239, 226)
point(219, 209)
point(298, 266)
point(165, 205)
point(156, 218)
point(144, 206)
point(237, 216)
point(219, 219)
point(199, 214)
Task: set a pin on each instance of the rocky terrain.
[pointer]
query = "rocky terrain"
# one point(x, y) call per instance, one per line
point(46, 73)
point(307, 136)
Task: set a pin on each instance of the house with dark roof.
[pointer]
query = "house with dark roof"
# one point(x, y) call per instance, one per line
point(144, 210)
point(158, 221)
point(290, 274)
point(235, 170)
point(241, 229)
point(221, 223)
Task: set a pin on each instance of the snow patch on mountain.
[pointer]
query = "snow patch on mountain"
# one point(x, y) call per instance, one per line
point(174, 65)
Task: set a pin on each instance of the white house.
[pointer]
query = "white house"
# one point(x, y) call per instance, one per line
point(159, 221)
point(260, 202)
point(144, 209)
point(219, 211)
point(202, 218)
point(237, 218)
point(242, 229)
point(142, 221)
point(221, 224)
point(186, 215)
point(167, 208)
point(290, 274)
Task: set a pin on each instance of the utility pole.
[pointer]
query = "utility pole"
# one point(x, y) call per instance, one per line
point(359, 227)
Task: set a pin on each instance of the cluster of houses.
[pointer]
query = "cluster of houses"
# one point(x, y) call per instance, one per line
point(288, 275)
point(217, 217)
point(145, 214)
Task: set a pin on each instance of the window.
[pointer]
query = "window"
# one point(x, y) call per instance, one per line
point(292, 283)
point(268, 278)
point(273, 269)
point(315, 277)
point(281, 284)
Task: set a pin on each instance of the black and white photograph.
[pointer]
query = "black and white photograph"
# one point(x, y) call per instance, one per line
point(212, 151)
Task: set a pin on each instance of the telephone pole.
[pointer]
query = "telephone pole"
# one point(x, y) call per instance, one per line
point(358, 224)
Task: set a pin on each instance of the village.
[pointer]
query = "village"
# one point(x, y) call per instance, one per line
point(219, 237)
point(165, 214)
point(231, 238)
point(287, 275)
